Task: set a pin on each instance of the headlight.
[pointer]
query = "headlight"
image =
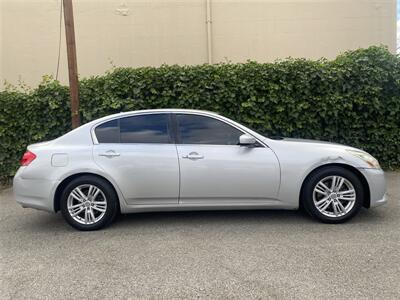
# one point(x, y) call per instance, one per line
point(369, 159)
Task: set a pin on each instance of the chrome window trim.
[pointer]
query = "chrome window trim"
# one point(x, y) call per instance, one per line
point(204, 114)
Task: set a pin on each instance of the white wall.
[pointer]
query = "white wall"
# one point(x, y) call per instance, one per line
point(142, 33)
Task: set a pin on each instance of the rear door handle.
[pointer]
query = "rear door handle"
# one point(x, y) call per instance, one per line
point(109, 154)
point(193, 156)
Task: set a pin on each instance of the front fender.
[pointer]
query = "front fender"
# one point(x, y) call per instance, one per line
point(294, 174)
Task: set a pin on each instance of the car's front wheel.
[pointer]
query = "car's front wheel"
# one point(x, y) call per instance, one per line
point(332, 194)
point(89, 203)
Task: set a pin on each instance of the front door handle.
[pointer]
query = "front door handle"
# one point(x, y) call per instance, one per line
point(193, 156)
point(109, 154)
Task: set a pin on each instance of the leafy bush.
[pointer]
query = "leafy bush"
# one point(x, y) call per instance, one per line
point(354, 99)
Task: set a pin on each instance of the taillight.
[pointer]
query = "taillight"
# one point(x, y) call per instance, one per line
point(27, 158)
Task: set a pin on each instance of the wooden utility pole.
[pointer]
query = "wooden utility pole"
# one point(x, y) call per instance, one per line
point(72, 64)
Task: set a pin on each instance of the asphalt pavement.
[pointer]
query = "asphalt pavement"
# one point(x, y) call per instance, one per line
point(237, 254)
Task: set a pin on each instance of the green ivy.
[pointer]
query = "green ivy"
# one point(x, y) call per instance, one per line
point(354, 99)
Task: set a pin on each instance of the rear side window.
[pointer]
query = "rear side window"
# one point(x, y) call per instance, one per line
point(145, 129)
point(194, 129)
point(152, 128)
point(108, 132)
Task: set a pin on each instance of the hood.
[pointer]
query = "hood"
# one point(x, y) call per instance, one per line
point(310, 141)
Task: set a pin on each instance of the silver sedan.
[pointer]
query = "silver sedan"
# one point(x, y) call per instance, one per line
point(172, 159)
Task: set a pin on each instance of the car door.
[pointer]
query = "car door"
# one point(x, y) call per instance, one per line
point(216, 170)
point(139, 154)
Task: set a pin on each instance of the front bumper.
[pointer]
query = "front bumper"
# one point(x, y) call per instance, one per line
point(379, 202)
point(377, 186)
point(34, 193)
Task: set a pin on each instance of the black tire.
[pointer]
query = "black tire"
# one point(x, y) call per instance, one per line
point(111, 199)
point(307, 195)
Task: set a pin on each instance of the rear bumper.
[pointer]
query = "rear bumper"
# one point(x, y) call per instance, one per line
point(377, 186)
point(34, 193)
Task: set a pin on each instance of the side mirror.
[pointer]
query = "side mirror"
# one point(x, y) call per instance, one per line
point(247, 140)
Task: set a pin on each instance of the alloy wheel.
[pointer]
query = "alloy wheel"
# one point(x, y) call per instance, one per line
point(87, 204)
point(334, 196)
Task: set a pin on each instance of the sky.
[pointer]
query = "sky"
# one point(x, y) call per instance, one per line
point(398, 26)
point(398, 10)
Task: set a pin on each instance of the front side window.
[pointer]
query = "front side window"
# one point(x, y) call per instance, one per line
point(152, 128)
point(194, 129)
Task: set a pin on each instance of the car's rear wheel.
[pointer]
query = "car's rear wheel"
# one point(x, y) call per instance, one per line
point(89, 203)
point(332, 194)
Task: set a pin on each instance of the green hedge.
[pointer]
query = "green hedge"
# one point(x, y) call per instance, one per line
point(354, 99)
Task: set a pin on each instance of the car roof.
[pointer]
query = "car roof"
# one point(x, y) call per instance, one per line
point(172, 110)
point(147, 111)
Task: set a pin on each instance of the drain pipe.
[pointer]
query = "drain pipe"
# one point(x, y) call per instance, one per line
point(209, 36)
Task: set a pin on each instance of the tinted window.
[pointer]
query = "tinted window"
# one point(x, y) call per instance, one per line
point(145, 129)
point(204, 130)
point(108, 132)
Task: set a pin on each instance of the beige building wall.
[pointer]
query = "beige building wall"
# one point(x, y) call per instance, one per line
point(153, 32)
